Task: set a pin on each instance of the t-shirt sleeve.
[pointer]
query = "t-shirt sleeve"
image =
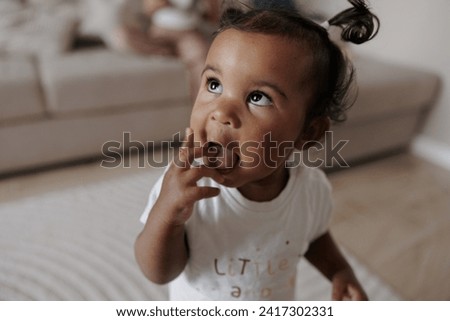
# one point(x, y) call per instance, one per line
point(323, 204)
point(154, 193)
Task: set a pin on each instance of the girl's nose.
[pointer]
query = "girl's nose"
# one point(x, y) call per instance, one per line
point(226, 114)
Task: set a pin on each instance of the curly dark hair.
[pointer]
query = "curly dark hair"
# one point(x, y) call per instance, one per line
point(332, 73)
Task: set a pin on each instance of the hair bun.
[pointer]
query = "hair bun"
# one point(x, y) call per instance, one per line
point(358, 23)
point(358, 32)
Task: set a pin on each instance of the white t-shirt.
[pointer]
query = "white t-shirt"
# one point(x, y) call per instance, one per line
point(246, 250)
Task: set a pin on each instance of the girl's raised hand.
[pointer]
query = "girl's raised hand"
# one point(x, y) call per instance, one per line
point(179, 190)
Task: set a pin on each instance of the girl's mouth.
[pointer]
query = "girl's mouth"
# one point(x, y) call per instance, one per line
point(221, 158)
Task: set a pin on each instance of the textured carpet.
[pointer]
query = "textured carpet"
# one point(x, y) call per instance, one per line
point(76, 243)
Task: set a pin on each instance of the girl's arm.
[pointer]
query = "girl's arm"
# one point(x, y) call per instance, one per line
point(324, 254)
point(161, 249)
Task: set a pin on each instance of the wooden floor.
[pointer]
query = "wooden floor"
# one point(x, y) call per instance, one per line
point(394, 215)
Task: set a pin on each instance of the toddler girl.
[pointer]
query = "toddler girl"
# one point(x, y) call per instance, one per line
point(235, 225)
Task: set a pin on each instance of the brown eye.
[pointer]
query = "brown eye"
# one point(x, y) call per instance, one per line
point(259, 99)
point(214, 86)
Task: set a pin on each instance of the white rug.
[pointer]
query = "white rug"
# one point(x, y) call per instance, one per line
point(76, 243)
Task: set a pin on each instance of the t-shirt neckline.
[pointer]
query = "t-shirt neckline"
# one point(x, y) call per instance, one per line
point(243, 205)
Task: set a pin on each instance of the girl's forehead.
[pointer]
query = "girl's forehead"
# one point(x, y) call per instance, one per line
point(260, 44)
point(264, 52)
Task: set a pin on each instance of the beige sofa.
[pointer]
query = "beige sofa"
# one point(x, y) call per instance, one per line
point(63, 107)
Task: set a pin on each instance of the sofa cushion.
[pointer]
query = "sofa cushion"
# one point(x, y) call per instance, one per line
point(19, 89)
point(386, 89)
point(100, 78)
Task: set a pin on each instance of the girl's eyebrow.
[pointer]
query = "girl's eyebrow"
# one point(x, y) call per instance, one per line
point(212, 68)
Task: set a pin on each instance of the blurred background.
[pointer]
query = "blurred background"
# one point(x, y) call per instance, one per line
point(82, 81)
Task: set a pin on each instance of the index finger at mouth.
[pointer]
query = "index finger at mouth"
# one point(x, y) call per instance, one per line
point(195, 149)
point(185, 153)
point(203, 171)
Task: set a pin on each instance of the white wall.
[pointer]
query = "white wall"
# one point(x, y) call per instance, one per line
point(417, 33)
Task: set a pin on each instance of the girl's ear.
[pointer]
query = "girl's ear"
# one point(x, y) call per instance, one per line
point(313, 132)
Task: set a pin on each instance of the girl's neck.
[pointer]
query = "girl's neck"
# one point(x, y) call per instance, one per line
point(268, 188)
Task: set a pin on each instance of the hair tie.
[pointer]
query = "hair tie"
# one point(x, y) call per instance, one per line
point(325, 25)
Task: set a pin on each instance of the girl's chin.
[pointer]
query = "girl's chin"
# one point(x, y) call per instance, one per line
point(230, 178)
